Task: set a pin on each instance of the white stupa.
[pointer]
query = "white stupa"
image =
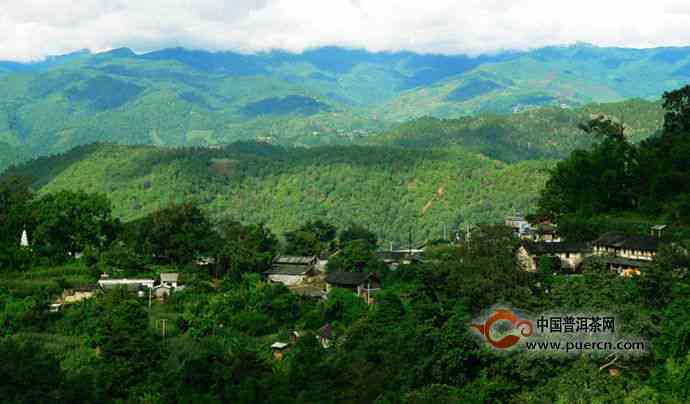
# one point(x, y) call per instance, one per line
point(24, 242)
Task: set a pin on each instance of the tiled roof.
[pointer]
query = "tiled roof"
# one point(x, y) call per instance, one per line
point(556, 247)
point(626, 241)
point(293, 260)
point(283, 269)
point(347, 278)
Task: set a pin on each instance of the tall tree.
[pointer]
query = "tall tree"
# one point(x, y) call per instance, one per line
point(69, 222)
point(176, 234)
point(358, 232)
point(243, 248)
point(677, 106)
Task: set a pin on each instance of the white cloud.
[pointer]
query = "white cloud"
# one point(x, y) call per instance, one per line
point(32, 29)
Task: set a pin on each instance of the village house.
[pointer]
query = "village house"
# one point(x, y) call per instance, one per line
point(518, 224)
point(544, 231)
point(624, 253)
point(132, 285)
point(169, 279)
point(394, 258)
point(325, 335)
point(364, 284)
point(168, 284)
point(290, 270)
point(280, 349)
point(570, 254)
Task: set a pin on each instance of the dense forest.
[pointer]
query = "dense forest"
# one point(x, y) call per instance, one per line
point(391, 189)
point(430, 175)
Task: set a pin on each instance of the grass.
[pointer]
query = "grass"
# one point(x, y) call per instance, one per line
point(50, 279)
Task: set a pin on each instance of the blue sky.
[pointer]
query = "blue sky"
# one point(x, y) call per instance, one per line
point(33, 29)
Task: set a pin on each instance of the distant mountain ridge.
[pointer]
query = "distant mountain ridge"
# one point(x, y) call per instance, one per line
point(180, 97)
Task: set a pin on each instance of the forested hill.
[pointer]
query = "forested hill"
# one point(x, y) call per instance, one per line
point(179, 97)
point(390, 189)
point(549, 132)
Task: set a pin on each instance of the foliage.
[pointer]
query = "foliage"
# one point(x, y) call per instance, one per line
point(241, 248)
point(355, 256)
point(67, 223)
point(176, 234)
point(389, 189)
point(677, 106)
point(615, 176)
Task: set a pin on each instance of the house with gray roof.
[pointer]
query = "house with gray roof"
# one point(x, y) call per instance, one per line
point(169, 279)
point(570, 254)
point(291, 270)
point(625, 253)
point(364, 284)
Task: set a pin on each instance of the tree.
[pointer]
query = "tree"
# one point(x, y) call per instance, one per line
point(15, 194)
point(659, 277)
point(355, 256)
point(325, 232)
point(29, 374)
point(302, 243)
point(344, 307)
point(176, 234)
point(67, 223)
point(596, 181)
point(604, 127)
point(677, 106)
point(122, 336)
point(357, 232)
point(244, 248)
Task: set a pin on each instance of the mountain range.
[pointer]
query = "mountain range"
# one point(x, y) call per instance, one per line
point(180, 97)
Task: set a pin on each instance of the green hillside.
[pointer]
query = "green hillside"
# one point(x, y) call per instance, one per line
point(390, 189)
point(178, 97)
point(547, 132)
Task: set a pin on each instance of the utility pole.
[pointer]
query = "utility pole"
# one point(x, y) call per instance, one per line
point(410, 240)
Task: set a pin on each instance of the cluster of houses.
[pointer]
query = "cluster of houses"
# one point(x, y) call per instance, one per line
point(623, 253)
point(306, 276)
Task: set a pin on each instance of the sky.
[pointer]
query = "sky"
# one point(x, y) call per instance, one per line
point(30, 30)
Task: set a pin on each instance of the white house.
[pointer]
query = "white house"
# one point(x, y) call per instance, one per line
point(169, 279)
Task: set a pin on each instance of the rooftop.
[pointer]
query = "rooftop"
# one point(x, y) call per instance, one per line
point(348, 278)
point(169, 277)
point(286, 269)
point(625, 262)
point(627, 241)
point(294, 260)
point(556, 247)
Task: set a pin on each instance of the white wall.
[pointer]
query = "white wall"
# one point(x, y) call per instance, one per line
point(286, 279)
